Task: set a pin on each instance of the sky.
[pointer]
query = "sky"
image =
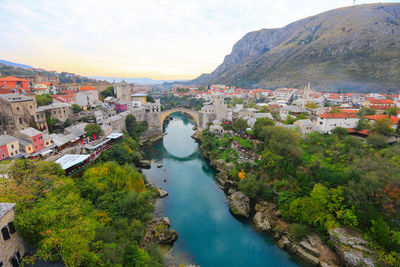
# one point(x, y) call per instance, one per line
point(159, 39)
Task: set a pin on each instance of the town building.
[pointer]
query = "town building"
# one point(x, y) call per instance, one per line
point(121, 106)
point(123, 91)
point(329, 121)
point(87, 96)
point(17, 112)
point(380, 105)
point(139, 99)
point(9, 147)
point(394, 121)
point(216, 109)
point(17, 84)
point(57, 111)
point(11, 245)
point(32, 136)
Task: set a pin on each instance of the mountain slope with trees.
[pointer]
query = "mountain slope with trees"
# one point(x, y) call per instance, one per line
point(351, 48)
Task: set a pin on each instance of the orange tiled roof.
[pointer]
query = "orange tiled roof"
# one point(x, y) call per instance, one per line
point(376, 101)
point(87, 88)
point(391, 118)
point(338, 115)
point(12, 79)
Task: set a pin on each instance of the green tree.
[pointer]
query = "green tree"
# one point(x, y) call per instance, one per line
point(311, 105)
point(150, 99)
point(240, 125)
point(135, 128)
point(392, 111)
point(109, 91)
point(366, 112)
point(260, 124)
point(237, 100)
point(135, 256)
point(76, 108)
point(43, 99)
point(93, 129)
point(383, 126)
point(377, 141)
point(340, 132)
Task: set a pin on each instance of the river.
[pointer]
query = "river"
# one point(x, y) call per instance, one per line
point(209, 235)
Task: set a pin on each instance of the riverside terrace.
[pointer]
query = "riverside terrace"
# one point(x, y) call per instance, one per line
point(75, 163)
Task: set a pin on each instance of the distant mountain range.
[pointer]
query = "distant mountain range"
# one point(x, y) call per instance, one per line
point(9, 63)
point(145, 81)
point(354, 48)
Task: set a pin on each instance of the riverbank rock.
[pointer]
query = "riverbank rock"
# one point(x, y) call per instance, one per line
point(351, 247)
point(299, 251)
point(261, 222)
point(284, 242)
point(162, 193)
point(261, 206)
point(145, 164)
point(158, 230)
point(239, 204)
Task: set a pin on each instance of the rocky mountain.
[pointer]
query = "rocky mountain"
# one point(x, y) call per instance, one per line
point(351, 48)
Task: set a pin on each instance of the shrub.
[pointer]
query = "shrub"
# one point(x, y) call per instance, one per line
point(299, 231)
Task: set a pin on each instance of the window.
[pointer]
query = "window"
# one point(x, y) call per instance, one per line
point(18, 108)
point(3, 155)
point(11, 227)
point(5, 233)
point(12, 154)
point(20, 120)
point(30, 106)
point(12, 146)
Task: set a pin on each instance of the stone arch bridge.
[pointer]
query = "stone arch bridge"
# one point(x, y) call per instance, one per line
point(194, 114)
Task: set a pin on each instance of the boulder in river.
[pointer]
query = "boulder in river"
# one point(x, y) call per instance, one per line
point(261, 222)
point(351, 247)
point(145, 164)
point(239, 204)
point(162, 193)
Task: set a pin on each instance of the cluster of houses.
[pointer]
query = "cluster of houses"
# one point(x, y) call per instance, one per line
point(309, 110)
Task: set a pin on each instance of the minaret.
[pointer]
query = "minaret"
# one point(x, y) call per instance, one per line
point(305, 95)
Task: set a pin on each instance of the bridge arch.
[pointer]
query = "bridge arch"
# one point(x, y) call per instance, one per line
point(192, 113)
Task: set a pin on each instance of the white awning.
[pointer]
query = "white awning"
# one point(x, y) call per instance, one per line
point(69, 160)
point(114, 135)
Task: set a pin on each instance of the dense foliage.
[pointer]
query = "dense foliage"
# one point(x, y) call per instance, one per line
point(170, 101)
point(109, 91)
point(43, 99)
point(95, 220)
point(323, 181)
point(92, 130)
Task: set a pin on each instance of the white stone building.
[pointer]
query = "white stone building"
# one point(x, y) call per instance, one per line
point(329, 121)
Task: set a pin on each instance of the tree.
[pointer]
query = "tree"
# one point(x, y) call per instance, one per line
point(135, 128)
point(383, 126)
point(76, 108)
point(240, 125)
point(366, 112)
point(237, 100)
point(43, 100)
point(392, 111)
point(93, 129)
point(150, 99)
point(108, 92)
point(340, 132)
point(260, 124)
point(311, 105)
point(377, 141)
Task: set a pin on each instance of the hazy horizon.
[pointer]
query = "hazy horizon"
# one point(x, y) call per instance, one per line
point(152, 39)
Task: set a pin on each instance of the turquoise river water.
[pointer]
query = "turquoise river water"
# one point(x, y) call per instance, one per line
point(209, 235)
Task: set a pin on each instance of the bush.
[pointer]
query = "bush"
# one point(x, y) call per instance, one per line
point(299, 231)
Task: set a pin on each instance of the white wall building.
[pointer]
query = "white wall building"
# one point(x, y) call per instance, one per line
point(329, 121)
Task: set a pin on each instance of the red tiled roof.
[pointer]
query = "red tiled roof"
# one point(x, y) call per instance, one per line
point(12, 79)
point(87, 88)
point(376, 101)
point(379, 107)
point(6, 91)
point(338, 115)
point(354, 111)
point(391, 118)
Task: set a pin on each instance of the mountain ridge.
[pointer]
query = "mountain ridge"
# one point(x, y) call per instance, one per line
point(13, 64)
point(350, 48)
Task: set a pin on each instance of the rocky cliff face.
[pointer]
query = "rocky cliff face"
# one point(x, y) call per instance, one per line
point(353, 48)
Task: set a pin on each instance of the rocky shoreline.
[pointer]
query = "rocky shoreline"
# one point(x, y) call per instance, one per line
point(350, 248)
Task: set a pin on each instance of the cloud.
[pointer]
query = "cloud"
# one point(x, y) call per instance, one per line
point(161, 39)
